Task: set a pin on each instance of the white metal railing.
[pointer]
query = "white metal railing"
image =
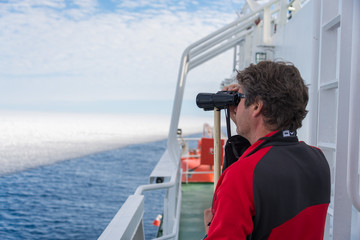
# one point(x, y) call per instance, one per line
point(354, 117)
point(127, 223)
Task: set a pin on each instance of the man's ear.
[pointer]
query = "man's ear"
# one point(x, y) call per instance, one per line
point(257, 107)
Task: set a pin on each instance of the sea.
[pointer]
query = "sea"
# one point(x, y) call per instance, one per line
point(65, 176)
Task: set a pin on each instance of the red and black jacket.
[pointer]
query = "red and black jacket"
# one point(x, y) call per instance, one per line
point(278, 189)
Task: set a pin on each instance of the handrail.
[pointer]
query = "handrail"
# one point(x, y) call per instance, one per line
point(127, 222)
point(149, 187)
point(213, 53)
point(134, 206)
point(354, 119)
point(171, 183)
point(224, 36)
point(353, 159)
point(177, 223)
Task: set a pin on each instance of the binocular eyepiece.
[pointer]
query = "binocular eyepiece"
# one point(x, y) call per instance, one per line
point(220, 100)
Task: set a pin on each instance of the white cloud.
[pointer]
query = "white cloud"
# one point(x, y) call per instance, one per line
point(50, 51)
point(35, 139)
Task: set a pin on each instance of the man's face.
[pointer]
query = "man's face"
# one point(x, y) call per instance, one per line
point(241, 117)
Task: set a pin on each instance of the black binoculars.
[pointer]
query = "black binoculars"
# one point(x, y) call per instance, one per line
point(220, 100)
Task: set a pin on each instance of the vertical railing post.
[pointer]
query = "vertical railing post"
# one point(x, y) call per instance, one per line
point(283, 12)
point(170, 204)
point(267, 26)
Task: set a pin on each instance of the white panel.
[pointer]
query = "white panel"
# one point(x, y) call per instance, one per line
point(330, 11)
point(327, 116)
point(330, 156)
point(294, 43)
point(328, 56)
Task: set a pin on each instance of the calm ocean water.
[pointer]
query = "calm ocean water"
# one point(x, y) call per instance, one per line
point(77, 198)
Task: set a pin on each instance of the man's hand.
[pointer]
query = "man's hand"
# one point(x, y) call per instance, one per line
point(235, 87)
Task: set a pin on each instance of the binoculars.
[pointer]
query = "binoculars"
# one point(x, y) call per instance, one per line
point(220, 100)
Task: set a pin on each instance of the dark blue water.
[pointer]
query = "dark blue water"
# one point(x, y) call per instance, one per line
point(77, 198)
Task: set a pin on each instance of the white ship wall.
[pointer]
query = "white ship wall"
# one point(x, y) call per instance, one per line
point(294, 43)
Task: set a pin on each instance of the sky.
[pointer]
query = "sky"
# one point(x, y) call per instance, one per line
point(106, 55)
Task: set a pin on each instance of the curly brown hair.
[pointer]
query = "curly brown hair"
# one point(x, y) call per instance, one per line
point(282, 90)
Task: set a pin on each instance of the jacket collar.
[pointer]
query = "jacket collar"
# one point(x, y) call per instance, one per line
point(276, 138)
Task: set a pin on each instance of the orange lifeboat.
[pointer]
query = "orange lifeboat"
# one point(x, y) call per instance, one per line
point(198, 164)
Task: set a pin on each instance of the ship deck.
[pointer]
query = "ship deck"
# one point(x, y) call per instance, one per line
point(196, 197)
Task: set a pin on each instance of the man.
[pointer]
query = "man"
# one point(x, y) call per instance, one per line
point(280, 187)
